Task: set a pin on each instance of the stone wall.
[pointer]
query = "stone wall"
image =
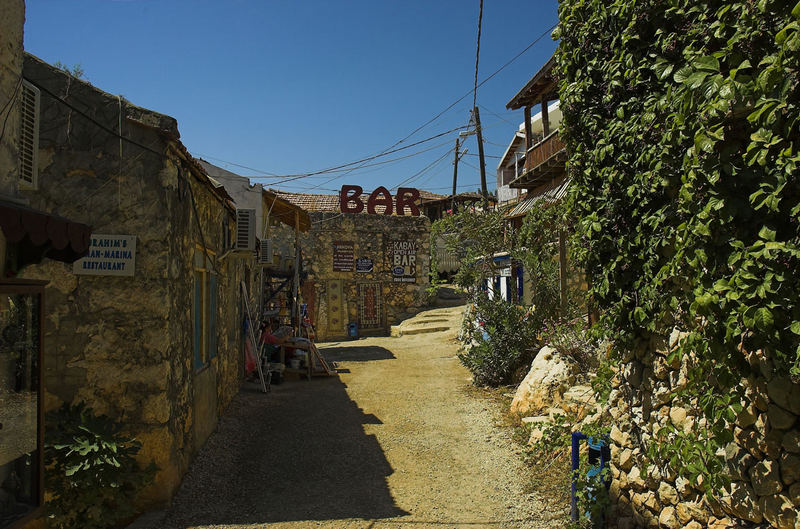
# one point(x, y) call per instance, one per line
point(11, 27)
point(371, 236)
point(124, 345)
point(763, 460)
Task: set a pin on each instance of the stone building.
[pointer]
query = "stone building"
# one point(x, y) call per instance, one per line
point(27, 236)
point(147, 327)
point(371, 270)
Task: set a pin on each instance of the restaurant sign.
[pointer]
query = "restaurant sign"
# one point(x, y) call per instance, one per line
point(109, 255)
point(404, 261)
point(364, 264)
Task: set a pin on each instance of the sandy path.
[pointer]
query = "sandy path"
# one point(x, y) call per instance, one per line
point(395, 441)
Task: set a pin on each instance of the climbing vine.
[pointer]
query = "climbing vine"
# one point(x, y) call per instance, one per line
point(682, 124)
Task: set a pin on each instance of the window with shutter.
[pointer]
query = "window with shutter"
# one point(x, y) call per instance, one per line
point(29, 136)
point(204, 308)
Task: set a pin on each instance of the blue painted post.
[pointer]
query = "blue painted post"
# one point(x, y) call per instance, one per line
point(577, 437)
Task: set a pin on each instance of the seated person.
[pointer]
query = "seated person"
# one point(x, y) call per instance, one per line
point(272, 333)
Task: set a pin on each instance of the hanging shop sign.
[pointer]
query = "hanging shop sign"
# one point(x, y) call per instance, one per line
point(364, 264)
point(109, 255)
point(350, 201)
point(404, 261)
point(343, 256)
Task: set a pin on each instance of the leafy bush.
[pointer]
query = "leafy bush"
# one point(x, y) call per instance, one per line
point(90, 470)
point(472, 236)
point(498, 340)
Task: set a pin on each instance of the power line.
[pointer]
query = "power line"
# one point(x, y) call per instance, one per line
point(486, 155)
point(497, 115)
point(205, 156)
point(290, 177)
point(423, 170)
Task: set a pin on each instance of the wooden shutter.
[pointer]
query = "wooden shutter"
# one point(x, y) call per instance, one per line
point(29, 136)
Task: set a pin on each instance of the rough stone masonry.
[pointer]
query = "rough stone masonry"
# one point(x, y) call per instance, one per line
point(763, 460)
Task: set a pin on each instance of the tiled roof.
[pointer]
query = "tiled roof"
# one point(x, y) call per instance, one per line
point(427, 195)
point(310, 202)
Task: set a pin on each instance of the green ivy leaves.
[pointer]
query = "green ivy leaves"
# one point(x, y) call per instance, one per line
point(682, 121)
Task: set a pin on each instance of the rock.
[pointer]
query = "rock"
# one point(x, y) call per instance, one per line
point(626, 523)
point(794, 494)
point(635, 479)
point(682, 485)
point(660, 368)
point(667, 493)
point(668, 519)
point(742, 502)
point(780, 418)
point(747, 417)
point(779, 511)
point(693, 525)
point(738, 462)
point(688, 510)
point(790, 468)
point(791, 441)
point(771, 445)
point(678, 417)
point(786, 394)
point(632, 373)
point(537, 425)
point(720, 523)
point(626, 459)
point(619, 437)
point(675, 338)
point(578, 401)
point(749, 440)
point(550, 375)
point(766, 478)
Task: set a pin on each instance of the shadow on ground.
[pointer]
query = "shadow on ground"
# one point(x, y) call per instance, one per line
point(297, 453)
point(356, 353)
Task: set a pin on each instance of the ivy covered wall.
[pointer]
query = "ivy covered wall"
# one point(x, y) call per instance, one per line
point(681, 123)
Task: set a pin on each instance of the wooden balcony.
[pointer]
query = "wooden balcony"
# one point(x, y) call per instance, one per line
point(544, 161)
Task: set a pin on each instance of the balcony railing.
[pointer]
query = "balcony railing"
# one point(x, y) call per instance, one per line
point(543, 151)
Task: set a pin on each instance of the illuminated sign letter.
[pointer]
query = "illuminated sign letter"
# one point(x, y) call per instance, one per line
point(375, 200)
point(407, 196)
point(351, 194)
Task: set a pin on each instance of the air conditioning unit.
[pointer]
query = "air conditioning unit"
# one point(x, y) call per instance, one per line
point(245, 230)
point(264, 251)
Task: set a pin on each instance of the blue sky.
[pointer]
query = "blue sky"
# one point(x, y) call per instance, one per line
point(292, 87)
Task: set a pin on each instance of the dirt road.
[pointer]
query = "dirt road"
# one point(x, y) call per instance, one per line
point(396, 441)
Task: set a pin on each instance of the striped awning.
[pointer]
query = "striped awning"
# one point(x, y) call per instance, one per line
point(550, 196)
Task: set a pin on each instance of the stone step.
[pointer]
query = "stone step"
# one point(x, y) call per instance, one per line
point(403, 330)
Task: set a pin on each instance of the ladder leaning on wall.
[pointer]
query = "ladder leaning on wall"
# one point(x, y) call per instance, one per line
point(264, 378)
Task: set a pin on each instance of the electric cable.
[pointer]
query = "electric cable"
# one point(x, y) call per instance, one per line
point(446, 109)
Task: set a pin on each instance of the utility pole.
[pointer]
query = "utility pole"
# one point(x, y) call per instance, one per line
point(455, 179)
point(484, 192)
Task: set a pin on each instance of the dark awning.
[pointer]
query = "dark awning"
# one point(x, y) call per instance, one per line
point(39, 233)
